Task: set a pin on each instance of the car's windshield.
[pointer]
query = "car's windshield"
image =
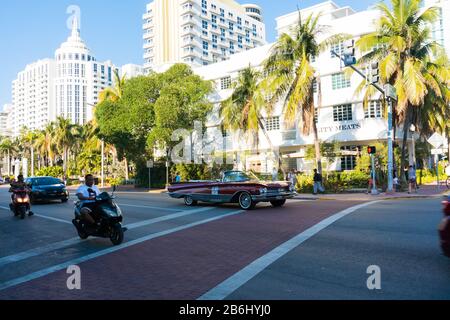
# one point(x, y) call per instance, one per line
point(44, 181)
point(236, 176)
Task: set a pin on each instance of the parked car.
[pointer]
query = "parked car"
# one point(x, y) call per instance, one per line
point(234, 187)
point(444, 227)
point(47, 189)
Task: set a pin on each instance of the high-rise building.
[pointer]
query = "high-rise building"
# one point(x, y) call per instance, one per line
point(199, 32)
point(131, 71)
point(441, 28)
point(66, 86)
point(4, 116)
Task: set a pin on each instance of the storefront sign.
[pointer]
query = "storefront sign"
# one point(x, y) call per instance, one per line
point(337, 128)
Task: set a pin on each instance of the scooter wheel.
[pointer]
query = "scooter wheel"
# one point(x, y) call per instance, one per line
point(81, 233)
point(116, 235)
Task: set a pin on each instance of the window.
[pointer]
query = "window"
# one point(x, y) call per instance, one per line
point(204, 24)
point(231, 45)
point(214, 38)
point(239, 21)
point(225, 83)
point(338, 48)
point(95, 67)
point(222, 12)
point(348, 161)
point(214, 18)
point(273, 124)
point(340, 81)
point(315, 86)
point(109, 74)
point(231, 26)
point(205, 45)
point(342, 113)
point(374, 110)
point(204, 4)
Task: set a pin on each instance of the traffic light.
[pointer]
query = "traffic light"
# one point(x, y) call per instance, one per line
point(375, 72)
point(371, 150)
point(349, 53)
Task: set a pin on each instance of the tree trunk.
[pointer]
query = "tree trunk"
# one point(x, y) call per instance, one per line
point(276, 154)
point(406, 125)
point(32, 162)
point(9, 163)
point(126, 169)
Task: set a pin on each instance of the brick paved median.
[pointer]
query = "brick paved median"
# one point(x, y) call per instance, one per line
point(186, 264)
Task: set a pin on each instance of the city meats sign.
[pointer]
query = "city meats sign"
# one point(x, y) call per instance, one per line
point(342, 127)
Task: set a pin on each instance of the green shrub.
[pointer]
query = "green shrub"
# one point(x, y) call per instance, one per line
point(334, 182)
point(56, 172)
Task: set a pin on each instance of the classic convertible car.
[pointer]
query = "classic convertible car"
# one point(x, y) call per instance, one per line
point(234, 187)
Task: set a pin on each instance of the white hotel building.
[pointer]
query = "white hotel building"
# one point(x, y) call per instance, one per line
point(199, 32)
point(66, 86)
point(341, 117)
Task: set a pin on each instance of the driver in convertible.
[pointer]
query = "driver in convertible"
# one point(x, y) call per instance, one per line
point(87, 193)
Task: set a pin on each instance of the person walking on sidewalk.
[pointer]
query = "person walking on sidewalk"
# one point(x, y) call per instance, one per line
point(318, 182)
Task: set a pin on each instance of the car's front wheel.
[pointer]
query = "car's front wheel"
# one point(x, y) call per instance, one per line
point(246, 202)
point(278, 203)
point(189, 201)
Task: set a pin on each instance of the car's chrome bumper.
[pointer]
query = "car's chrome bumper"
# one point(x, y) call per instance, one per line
point(266, 197)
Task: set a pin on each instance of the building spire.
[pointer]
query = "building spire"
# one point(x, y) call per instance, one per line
point(75, 27)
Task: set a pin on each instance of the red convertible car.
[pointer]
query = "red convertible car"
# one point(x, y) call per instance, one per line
point(234, 187)
point(444, 227)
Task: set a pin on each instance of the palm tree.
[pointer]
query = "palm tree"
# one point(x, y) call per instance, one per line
point(290, 75)
point(8, 148)
point(28, 139)
point(65, 133)
point(113, 93)
point(403, 45)
point(243, 109)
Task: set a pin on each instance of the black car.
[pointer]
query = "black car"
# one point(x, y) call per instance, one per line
point(46, 189)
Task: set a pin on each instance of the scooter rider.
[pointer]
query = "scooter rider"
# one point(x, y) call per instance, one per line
point(19, 185)
point(87, 194)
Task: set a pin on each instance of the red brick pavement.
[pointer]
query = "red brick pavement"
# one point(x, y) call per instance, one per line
point(186, 264)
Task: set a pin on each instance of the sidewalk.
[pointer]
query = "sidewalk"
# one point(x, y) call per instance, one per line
point(425, 191)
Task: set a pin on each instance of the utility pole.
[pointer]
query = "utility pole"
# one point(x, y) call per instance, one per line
point(388, 93)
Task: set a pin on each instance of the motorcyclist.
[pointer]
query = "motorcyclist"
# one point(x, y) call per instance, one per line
point(87, 194)
point(19, 185)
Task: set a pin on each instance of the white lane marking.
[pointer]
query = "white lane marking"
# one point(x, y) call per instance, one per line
point(62, 266)
point(45, 217)
point(53, 219)
point(237, 280)
point(167, 217)
point(147, 207)
point(66, 243)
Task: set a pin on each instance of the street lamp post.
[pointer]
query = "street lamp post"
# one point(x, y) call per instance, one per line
point(103, 163)
point(390, 187)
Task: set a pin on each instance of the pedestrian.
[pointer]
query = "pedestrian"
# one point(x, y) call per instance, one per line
point(396, 182)
point(318, 182)
point(292, 177)
point(275, 174)
point(178, 178)
point(412, 179)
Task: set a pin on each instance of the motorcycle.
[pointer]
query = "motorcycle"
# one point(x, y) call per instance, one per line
point(20, 203)
point(108, 219)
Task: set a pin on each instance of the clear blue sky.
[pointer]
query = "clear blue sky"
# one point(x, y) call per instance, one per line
point(33, 29)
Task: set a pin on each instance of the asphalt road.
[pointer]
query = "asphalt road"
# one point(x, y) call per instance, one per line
point(221, 252)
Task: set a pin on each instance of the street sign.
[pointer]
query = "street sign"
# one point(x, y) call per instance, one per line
point(389, 91)
point(150, 164)
point(437, 151)
point(436, 140)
